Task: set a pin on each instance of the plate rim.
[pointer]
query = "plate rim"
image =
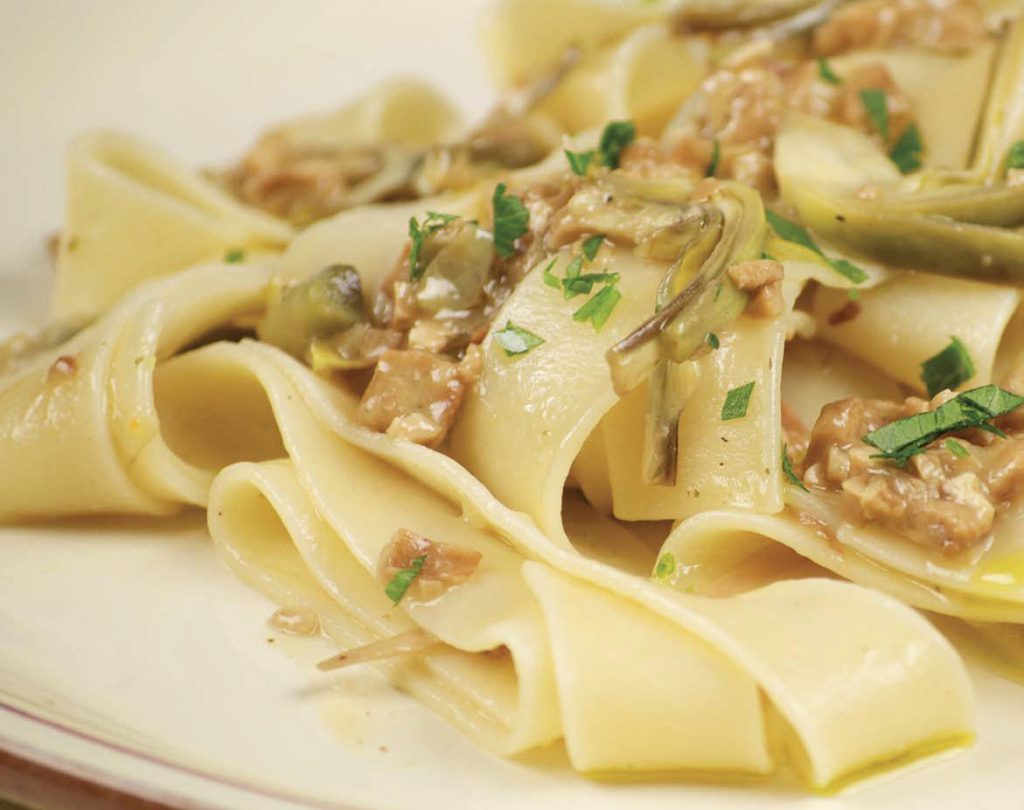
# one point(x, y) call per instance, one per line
point(80, 769)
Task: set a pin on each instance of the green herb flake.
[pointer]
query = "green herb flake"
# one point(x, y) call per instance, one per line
point(579, 162)
point(403, 578)
point(583, 284)
point(550, 278)
point(592, 245)
point(515, 340)
point(666, 566)
point(906, 437)
point(797, 234)
point(736, 402)
point(617, 135)
point(1015, 156)
point(950, 368)
point(906, 154)
point(826, 72)
point(957, 449)
point(418, 235)
point(511, 221)
point(712, 340)
point(716, 158)
point(234, 256)
point(787, 468)
point(598, 309)
point(877, 108)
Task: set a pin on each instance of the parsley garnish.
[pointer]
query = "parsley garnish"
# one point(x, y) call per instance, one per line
point(516, 340)
point(666, 566)
point(712, 340)
point(787, 468)
point(877, 108)
point(577, 283)
point(598, 309)
point(615, 137)
point(403, 578)
point(957, 449)
point(550, 278)
point(909, 436)
point(736, 402)
point(583, 284)
point(826, 72)
point(950, 368)
point(791, 232)
point(1015, 156)
point(511, 220)
point(906, 154)
point(418, 235)
point(591, 246)
point(234, 256)
point(716, 157)
point(579, 162)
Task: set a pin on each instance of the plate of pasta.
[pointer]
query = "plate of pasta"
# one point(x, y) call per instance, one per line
point(649, 431)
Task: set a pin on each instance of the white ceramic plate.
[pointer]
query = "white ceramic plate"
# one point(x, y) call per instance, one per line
point(128, 654)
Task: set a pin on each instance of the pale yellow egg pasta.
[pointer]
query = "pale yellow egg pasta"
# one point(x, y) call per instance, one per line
point(671, 413)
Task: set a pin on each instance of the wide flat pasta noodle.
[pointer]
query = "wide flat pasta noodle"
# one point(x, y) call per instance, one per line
point(401, 111)
point(913, 316)
point(84, 436)
point(345, 489)
point(134, 213)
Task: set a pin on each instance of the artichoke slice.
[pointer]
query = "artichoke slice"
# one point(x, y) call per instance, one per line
point(696, 297)
point(323, 305)
point(1003, 121)
point(958, 230)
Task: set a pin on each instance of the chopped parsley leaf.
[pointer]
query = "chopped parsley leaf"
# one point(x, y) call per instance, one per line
point(957, 449)
point(550, 278)
point(403, 578)
point(791, 232)
point(418, 235)
point(716, 157)
point(511, 220)
point(950, 368)
point(516, 340)
point(617, 135)
point(787, 468)
point(234, 256)
point(911, 435)
point(592, 245)
point(579, 162)
point(598, 309)
point(666, 566)
point(906, 154)
point(712, 340)
point(736, 402)
point(826, 72)
point(1015, 156)
point(583, 284)
point(877, 109)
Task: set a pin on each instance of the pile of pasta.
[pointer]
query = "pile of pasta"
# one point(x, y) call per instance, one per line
point(744, 638)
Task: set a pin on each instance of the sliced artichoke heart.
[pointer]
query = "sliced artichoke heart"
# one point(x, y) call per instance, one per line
point(833, 177)
point(457, 272)
point(696, 297)
point(325, 304)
